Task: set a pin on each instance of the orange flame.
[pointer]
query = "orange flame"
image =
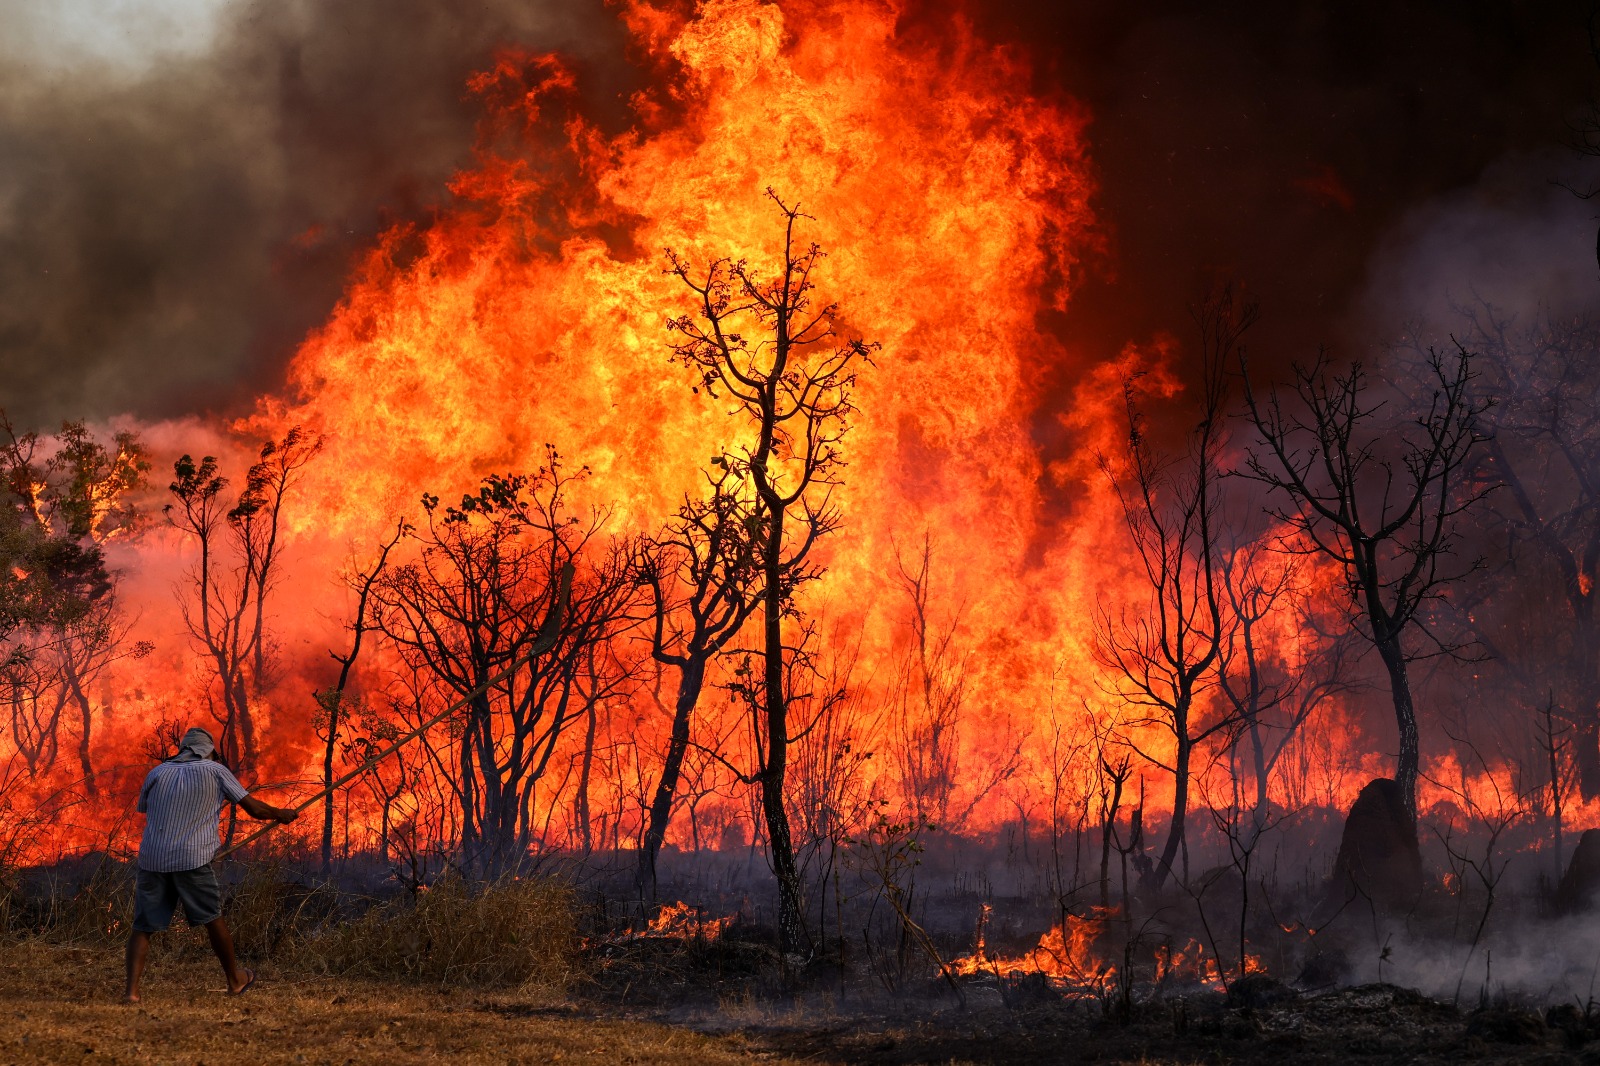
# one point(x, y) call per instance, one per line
point(954, 203)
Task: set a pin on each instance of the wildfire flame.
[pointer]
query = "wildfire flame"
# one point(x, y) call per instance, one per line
point(1067, 954)
point(1072, 956)
point(954, 202)
point(681, 921)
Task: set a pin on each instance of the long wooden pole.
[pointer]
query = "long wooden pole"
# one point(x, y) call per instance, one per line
point(542, 643)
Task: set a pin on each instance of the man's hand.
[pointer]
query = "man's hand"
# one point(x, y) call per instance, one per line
point(266, 812)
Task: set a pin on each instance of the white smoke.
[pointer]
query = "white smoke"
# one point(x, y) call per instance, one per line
point(128, 37)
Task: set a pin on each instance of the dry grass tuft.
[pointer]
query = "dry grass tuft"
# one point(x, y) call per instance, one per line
point(95, 907)
point(270, 913)
point(514, 933)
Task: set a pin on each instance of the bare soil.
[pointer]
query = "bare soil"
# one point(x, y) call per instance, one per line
point(1378, 1025)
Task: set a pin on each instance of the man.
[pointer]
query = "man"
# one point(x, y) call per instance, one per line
point(182, 799)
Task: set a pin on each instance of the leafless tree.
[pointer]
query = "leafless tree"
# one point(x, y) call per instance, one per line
point(331, 702)
point(82, 652)
point(927, 696)
point(705, 772)
point(414, 787)
point(1536, 614)
point(704, 577)
point(1382, 500)
point(767, 344)
point(1162, 656)
point(1554, 744)
point(1489, 811)
point(1275, 684)
point(603, 678)
point(834, 738)
point(1071, 783)
point(224, 605)
point(486, 577)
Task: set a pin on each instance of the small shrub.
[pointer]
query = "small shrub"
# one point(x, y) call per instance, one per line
point(510, 933)
point(268, 910)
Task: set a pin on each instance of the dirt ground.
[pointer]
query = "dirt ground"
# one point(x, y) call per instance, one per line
point(61, 1004)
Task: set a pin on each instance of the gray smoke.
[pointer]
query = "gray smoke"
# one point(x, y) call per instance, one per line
point(185, 183)
point(1517, 239)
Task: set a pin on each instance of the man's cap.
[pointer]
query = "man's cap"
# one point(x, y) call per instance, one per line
point(198, 741)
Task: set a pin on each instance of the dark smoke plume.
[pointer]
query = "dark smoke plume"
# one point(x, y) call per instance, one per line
point(1277, 146)
point(167, 234)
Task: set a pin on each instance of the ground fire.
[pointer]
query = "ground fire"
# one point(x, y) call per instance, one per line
point(735, 484)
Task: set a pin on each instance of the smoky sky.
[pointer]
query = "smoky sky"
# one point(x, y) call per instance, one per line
point(168, 234)
point(1280, 148)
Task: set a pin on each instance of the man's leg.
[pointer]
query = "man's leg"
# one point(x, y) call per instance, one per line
point(202, 903)
point(154, 899)
point(222, 944)
point(138, 954)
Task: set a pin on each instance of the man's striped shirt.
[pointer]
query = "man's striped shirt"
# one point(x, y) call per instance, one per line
point(182, 800)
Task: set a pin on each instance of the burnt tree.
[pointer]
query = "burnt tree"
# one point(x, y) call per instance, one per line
point(928, 695)
point(1542, 447)
point(475, 602)
point(331, 703)
point(1274, 686)
point(1163, 656)
point(704, 578)
point(1381, 497)
point(767, 344)
point(225, 606)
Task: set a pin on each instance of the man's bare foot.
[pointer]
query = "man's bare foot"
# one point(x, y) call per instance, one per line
point(250, 979)
point(131, 997)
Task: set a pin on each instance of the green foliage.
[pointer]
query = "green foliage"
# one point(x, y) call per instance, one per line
point(60, 497)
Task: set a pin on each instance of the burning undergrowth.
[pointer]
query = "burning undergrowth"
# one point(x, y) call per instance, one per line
point(1158, 979)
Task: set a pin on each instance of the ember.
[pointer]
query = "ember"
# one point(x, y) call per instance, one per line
point(680, 921)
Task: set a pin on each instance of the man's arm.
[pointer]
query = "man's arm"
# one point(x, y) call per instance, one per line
point(266, 812)
point(234, 792)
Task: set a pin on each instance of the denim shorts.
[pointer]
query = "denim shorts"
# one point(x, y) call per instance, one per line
point(157, 895)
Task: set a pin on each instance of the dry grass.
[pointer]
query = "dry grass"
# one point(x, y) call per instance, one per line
point(517, 933)
point(98, 908)
point(59, 1004)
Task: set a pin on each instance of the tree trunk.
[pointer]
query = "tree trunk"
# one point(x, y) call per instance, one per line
point(1258, 753)
point(791, 914)
point(247, 726)
point(690, 679)
point(1405, 717)
point(1108, 823)
point(1180, 807)
point(86, 720)
point(580, 802)
point(334, 706)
